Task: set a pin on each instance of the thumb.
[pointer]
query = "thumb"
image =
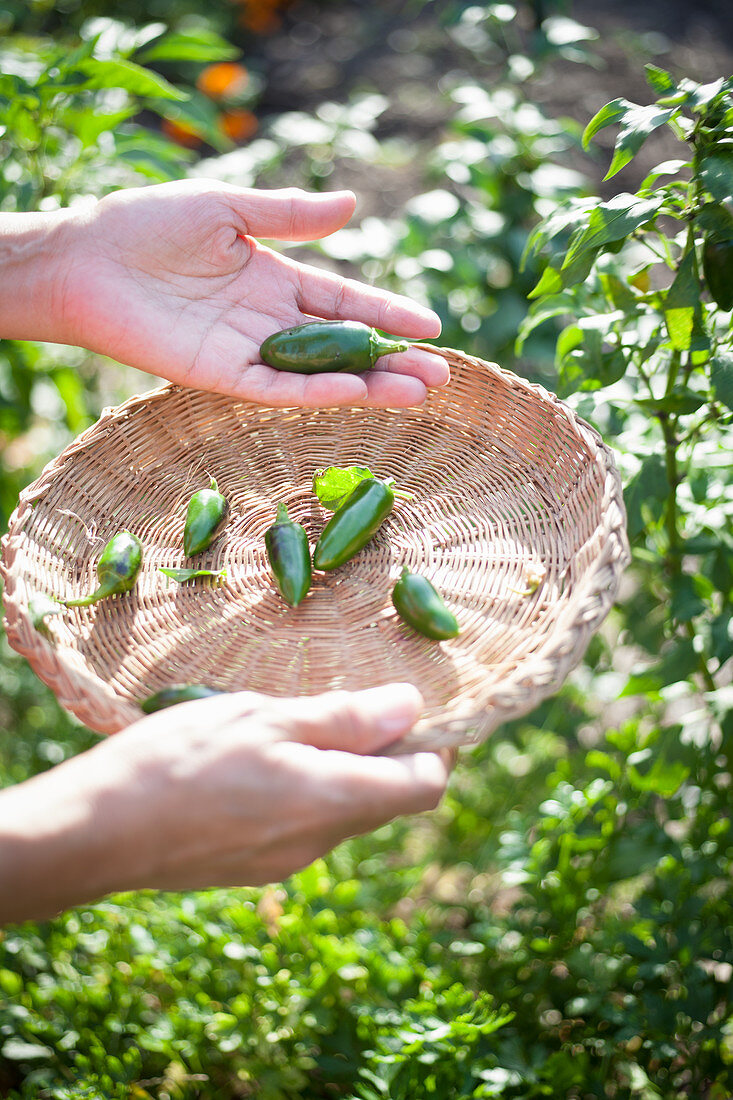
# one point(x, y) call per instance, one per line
point(290, 214)
point(361, 722)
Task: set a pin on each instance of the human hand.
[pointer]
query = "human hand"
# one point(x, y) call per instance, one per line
point(171, 279)
point(237, 789)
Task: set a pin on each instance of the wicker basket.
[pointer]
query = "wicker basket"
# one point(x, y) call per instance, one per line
point(517, 519)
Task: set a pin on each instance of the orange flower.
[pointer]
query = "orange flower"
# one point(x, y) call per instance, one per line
point(238, 124)
point(223, 80)
point(181, 133)
point(261, 16)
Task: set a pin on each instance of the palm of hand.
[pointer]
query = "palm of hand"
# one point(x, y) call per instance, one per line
point(172, 282)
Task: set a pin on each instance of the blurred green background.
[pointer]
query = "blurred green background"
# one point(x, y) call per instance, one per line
point(562, 925)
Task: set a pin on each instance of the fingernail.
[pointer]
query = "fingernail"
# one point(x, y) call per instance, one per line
point(393, 709)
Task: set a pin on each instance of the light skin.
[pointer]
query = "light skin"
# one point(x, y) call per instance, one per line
point(237, 789)
point(172, 279)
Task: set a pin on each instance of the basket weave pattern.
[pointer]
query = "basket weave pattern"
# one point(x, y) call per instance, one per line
point(509, 486)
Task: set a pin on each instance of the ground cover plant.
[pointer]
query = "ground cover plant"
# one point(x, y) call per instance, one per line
point(562, 926)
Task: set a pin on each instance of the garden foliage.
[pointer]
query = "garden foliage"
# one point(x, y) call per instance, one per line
point(562, 925)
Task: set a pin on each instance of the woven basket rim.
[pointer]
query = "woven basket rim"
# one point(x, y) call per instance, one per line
point(548, 667)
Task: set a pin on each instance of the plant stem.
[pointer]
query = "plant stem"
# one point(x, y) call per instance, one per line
point(669, 433)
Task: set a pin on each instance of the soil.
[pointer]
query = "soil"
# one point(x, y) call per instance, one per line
point(407, 52)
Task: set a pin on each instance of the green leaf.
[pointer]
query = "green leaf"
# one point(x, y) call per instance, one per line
point(199, 113)
point(589, 366)
point(183, 575)
point(682, 302)
point(678, 662)
point(721, 377)
point(681, 402)
point(647, 491)
point(334, 484)
point(151, 155)
point(569, 339)
point(87, 125)
point(73, 393)
point(721, 636)
point(666, 168)
point(690, 94)
point(608, 115)
point(553, 306)
point(568, 215)
point(618, 292)
point(201, 45)
point(550, 282)
point(636, 125)
point(716, 173)
point(636, 122)
point(609, 222)
point(133, 78)
point(659, 80)
point(663, 778)
point(686, 603)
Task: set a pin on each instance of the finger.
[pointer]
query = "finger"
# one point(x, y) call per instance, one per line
point(352, 721)
point(291, 214)
point(449, 758)
point(432, 369)
point(362, 792)
point(285, 389)
point(393, 391)
point(325, 294)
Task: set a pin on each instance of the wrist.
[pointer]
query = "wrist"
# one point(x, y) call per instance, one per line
point(36, 255)
point(63, 839)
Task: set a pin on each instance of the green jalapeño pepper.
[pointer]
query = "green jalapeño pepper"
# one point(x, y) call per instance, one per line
point(177, 693)
point(117, 569)
point(287, 552)
point(717, 265)
point(421, 607)
point(206, 514)
point(353, 524)
point(320, 346)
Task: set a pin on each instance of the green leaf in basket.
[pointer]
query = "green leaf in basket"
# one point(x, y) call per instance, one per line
point(335, 483)
point(182, 575)
point(40, 607)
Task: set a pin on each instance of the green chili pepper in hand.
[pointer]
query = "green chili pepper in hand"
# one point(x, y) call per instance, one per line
point(326, 346)
point(353, 524)
point(286, 543)
point(177, 693)
point(206, 514)
point(421, 606)
point(117, 569)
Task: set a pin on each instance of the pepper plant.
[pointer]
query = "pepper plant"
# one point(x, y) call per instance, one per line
point(644, 282)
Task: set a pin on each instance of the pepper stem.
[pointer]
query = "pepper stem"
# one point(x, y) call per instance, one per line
point(380, 345)
point(401, 493)
point(282, 513)
point(93, 597)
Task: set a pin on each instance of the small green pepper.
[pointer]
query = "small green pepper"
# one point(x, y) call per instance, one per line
point(421, 606)
point(353, 524)
point(206, 514)
point(287, 552)
point(177, 693)
point(327, 346)
point(717, 265)
point(117, 569)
